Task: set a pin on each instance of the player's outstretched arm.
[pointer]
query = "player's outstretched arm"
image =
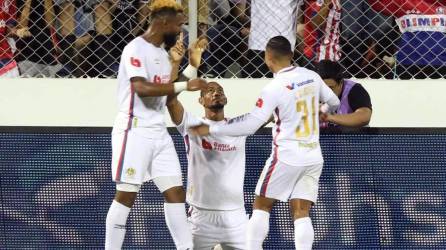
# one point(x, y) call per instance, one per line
point(143, 88)
point(243, 125)
point(175, 108)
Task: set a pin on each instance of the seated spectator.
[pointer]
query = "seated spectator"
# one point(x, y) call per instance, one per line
point(38, 52)
point(8, 66)
point(322, 31)
point(422, 46)
point(355, 109)
point(367, 39)
point(268, 19)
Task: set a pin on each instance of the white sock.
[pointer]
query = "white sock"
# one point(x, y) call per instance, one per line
point(115, 225)
point(258, 227)
point(176, 220)
point(303, 233)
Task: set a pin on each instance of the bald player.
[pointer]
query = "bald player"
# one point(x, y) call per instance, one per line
point(216, 170)
point(292, 172)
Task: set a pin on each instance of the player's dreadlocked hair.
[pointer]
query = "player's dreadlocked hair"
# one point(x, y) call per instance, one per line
point(164, 7)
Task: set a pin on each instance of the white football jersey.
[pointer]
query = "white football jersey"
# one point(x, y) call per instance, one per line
point(293, 98)
point(142, 59)
point(216, 167)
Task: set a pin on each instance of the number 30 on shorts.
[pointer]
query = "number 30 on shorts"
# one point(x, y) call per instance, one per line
point(304, 129)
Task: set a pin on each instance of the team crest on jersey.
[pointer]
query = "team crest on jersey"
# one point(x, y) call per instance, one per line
point(130, 172)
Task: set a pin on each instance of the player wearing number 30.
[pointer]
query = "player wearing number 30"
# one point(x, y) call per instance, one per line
point(293, 169)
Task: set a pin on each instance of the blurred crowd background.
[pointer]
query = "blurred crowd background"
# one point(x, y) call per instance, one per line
point(392, 39)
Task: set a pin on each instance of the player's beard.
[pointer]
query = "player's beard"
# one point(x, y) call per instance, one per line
point(217, 106)
point(170, 39)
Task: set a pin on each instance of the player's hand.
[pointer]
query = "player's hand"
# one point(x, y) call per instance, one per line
point(325, 117)
point(244, 32)
point(23, 32)
point(196, 50)
point(196, 84)
point(177, 51)
point(202, 130)
point(300, 29)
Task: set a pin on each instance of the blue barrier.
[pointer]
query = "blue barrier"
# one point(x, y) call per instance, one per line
point(380, 189)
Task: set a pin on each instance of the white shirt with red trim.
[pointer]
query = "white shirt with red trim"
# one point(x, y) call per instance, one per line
point(216, 167)
point(142, 59)
point(329, 48)
point(293, 98)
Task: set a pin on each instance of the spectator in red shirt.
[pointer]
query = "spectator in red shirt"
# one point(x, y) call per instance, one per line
point(8, 66)
point(422, 46)
point(322, 32)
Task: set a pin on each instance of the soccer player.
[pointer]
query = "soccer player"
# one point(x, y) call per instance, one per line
point(216, 170)
point(293, 170)
point(142, 147)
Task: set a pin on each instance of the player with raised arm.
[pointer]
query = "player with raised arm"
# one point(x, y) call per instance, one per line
point(142, 148)
point(216, 170)
point(292, 172)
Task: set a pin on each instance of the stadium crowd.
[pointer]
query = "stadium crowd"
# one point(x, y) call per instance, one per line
point(370, 39)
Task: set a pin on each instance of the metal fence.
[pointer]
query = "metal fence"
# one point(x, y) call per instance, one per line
point(371, 39)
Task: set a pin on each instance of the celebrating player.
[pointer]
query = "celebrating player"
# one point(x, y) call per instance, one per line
point(293, 170)
point(216, 170)
point(142, 147)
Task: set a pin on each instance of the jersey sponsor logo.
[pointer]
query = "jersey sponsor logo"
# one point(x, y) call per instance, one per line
point(238, 118)
point(157, 79)
point(135, 62)
point(413, 23)
point(216, 146)
point(259, 102)
point(223, 147)
point(299, 84)
point(206, 145)
point(161, 79)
